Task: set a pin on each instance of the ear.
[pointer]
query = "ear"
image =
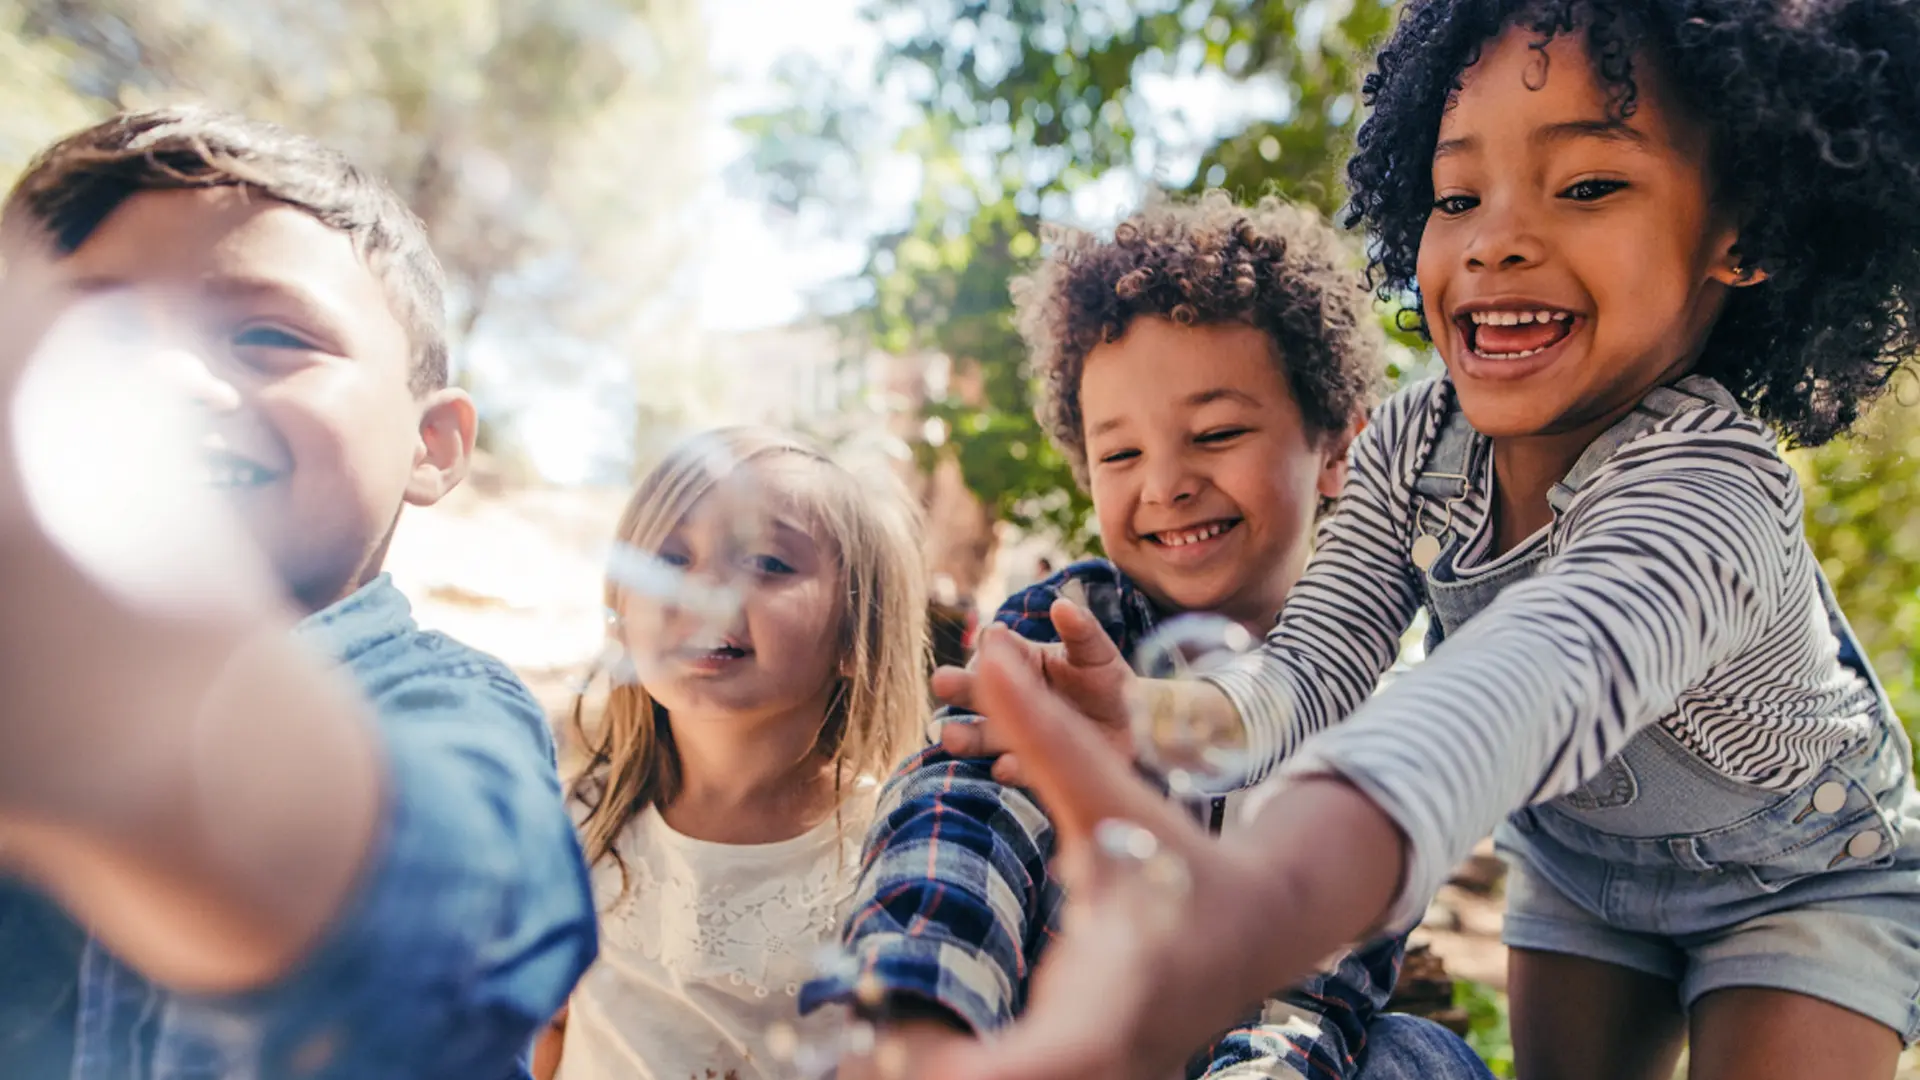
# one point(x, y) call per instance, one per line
point(1731, 270)
point(1334, 446)
point(448, 426)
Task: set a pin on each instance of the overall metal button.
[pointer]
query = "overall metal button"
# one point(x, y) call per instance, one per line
point(1864, 845)
point(1829, 797)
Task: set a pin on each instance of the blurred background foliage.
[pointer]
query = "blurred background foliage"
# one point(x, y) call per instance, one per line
point(1017, 106)
point(546, 143)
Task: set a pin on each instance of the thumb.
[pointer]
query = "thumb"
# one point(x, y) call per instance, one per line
point(1086, 641)
point(1077, 775)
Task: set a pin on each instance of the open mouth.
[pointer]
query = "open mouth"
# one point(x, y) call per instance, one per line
point(714, 654)
point(1179, 538)
point(227, 471)
point(1514, 334)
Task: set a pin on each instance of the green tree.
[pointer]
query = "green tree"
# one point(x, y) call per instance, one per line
point(550, 145)
point(1862, 495)
point(1017, 106)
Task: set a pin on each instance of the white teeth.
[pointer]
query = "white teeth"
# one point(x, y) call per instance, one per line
point(1517, 318)
point(1192, 536)
point(1511, 355)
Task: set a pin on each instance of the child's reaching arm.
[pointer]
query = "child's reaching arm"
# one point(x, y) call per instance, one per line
point(1676, 557)
point(1339, 632)
point(334, 883)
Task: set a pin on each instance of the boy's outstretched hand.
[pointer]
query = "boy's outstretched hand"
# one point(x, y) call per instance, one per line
point(1084, 667)
point(1142, 975)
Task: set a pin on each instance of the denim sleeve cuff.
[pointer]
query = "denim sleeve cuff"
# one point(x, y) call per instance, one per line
point(897, 965)
point(470, 923)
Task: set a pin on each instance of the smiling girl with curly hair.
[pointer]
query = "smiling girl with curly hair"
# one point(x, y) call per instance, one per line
point(1648, 238)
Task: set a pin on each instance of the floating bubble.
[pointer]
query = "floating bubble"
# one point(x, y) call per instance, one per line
point(1140, 854)
point(683, 585)
point(1197, 754)
point(111, 427)
point(817, 1046)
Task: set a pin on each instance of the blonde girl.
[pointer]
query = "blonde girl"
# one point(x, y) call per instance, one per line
point(730, 775)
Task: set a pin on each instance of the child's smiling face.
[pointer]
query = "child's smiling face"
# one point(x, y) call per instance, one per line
point(1571, 260)
point(1205, 476)
point(274, 327)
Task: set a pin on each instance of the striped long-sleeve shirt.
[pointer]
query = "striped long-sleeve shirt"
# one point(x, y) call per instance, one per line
point(1678, 589)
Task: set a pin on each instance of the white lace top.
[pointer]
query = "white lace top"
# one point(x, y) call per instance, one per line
point(707, 947)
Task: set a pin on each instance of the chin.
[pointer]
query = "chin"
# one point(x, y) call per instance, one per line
point(1506, 412)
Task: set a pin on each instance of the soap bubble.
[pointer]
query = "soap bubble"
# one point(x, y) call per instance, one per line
point(1198, 755)
point(682, 603)
point(817, 1046)
point(111, 447)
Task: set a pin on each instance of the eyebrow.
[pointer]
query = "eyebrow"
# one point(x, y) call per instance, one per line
point(1194, 401)
point(1614, 131)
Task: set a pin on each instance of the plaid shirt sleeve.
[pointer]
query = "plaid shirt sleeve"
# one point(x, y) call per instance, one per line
point(954, 903)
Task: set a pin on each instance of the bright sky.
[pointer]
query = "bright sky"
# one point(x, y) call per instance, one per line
point(769, 266)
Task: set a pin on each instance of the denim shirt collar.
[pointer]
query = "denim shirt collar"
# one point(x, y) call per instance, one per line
point(376, 613)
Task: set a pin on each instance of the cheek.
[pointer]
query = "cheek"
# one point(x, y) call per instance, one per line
point(1112, 505)
point(334, 419)
point(1277, 490)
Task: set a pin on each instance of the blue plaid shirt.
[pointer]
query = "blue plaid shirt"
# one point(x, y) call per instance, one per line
point(471, 924)
point(955, 903)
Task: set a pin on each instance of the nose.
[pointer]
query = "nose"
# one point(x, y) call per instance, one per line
point(1169, 482)
point(188, 371)
point(1503, 239)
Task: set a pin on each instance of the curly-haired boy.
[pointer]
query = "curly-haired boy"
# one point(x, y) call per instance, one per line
point(1204, 370)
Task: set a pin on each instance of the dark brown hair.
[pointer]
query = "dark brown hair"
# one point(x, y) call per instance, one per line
point(74, 185)
point(1274, 266)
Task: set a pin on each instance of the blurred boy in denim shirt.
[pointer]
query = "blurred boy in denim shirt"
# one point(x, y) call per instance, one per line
point(235, 852)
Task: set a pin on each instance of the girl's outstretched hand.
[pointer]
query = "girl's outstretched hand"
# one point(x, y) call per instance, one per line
point(1170, 936)
point(1126, 992)
point(1084, 667)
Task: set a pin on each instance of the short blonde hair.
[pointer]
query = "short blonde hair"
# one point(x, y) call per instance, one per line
point(871, 528)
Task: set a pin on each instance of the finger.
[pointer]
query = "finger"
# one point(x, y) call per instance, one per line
point(1024, 1052)
point(963, 738)
point(1077, 774)
point(1006, 769)
point(1086, 641)
point(954, 686)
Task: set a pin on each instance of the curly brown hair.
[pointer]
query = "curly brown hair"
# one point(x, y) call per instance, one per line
point(1275, 266)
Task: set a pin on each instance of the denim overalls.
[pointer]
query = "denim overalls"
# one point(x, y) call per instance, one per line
point(1663, 864)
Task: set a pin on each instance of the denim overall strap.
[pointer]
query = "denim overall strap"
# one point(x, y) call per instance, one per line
point(1660, 403)
point(1443, 476)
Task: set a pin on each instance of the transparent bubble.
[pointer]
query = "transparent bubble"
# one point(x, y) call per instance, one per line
point(113, 430)
point(1197, 755)
point(1151, 883)
point(681, 602)
point(817, 1045)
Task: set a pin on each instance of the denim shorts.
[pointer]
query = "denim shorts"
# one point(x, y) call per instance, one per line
point(1815, 892)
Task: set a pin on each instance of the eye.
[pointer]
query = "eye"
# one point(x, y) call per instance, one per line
point(1454, 205)
point(1118, 456)
point(674, 558)
point(769, 565)
point(269, 337)
point(1219, 436)
point(1592, 190)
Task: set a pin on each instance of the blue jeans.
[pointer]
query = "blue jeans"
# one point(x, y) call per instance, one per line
point(1403, 1047)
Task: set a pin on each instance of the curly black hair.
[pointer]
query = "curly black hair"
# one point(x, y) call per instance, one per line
point(1813, 114)
point(1274, 266)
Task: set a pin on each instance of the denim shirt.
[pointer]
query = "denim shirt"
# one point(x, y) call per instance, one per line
point(471, 922)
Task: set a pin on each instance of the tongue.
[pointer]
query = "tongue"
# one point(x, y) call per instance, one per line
point(1495, 340)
